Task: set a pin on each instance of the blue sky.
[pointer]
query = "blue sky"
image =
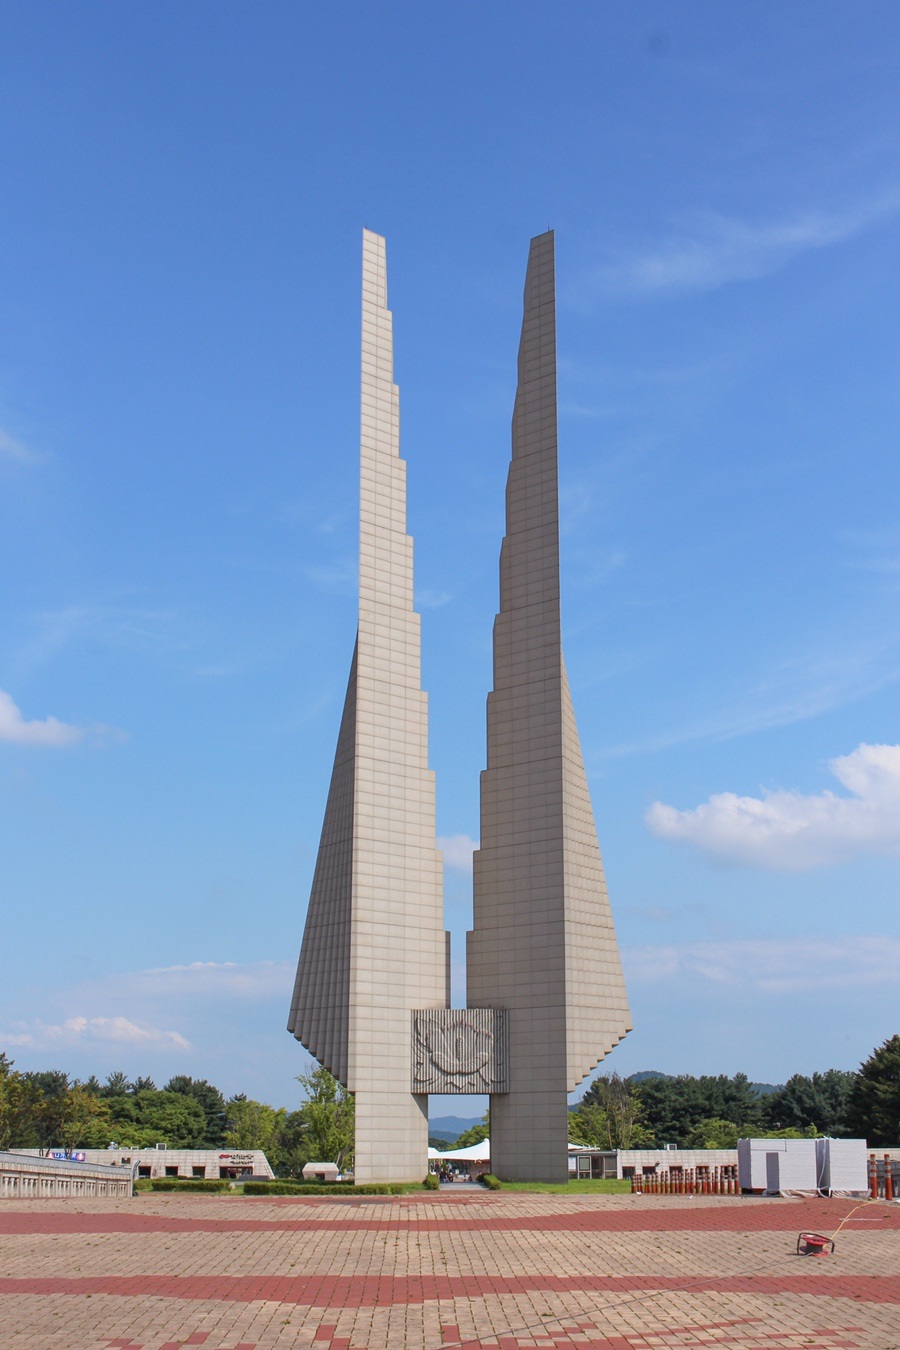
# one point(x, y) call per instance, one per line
point(184, 190)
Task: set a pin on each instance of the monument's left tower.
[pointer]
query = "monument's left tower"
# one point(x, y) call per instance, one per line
point(374, 946)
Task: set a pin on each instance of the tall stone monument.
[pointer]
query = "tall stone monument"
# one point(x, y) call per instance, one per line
point(543, 944)
point(374, 947)
point(545, 990)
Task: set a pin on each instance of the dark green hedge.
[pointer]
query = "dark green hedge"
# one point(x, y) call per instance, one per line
point(186, 1184)
point(493, 1183)
point(326, 1188)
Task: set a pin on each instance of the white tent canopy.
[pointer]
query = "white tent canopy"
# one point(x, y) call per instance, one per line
point(474, 1153)
point(482, 1152)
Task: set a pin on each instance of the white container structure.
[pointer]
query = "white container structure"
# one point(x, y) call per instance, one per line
point(842, 1165)
point(770, 1166)
point(321, 1171)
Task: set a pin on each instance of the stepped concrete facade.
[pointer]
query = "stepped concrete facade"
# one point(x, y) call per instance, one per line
point(546, 997)
point(543, 943)
point(374, 947)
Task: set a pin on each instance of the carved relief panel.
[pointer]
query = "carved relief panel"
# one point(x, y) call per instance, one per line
point(459, 1050)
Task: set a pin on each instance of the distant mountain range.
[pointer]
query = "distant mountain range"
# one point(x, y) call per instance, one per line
point(761, 1089)
point(451, 1127)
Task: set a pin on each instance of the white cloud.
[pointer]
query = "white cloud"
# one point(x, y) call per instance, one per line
point(16, 731)
point(789, 831)
point(712, 249)
point(80, 1030)
point(457, 850)
point(781, 966)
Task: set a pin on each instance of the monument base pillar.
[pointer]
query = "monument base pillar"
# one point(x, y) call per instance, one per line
point(529, 1134)
point(391, 1137)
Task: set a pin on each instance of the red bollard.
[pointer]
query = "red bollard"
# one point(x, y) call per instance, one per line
point(888, 1178)
point(873, 1177)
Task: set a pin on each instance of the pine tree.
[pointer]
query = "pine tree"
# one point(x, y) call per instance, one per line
point(873, 1111)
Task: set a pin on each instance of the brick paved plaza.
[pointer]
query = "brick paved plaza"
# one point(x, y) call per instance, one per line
point(486, 1272)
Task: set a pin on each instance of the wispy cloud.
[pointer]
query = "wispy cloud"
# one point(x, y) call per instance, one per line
point(15, 730)
point(789, 831)
point(223, 979)
point(426, 599)
point(118, 1030)
point(708, 249)
point(781, 966)
point(15, 451)
point(341, 578)
point(792, 691)
point(457, 850)
point(175, 1006)
point(877, 553)
point(131, 628)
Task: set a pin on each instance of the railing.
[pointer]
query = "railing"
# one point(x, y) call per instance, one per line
point(27, 1178)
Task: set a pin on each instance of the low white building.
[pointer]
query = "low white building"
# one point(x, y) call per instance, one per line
point(188, 1164)
point(628, 1162)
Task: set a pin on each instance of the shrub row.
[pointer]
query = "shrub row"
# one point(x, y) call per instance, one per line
point(319, 1188)
point(186, 1184)
point(493, 1183)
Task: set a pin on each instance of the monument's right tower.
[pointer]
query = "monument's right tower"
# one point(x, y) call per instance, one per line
point(543, 943)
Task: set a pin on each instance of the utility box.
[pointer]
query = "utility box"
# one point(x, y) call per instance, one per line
point(842, 1165)
point(769, 1166)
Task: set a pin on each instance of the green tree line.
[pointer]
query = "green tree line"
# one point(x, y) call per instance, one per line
point(48, 1110)
point(651, 1110)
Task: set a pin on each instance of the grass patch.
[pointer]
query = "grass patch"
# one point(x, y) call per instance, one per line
point(608, 1186)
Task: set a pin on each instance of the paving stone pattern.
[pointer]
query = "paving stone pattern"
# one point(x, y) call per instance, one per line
point(492, 1272)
